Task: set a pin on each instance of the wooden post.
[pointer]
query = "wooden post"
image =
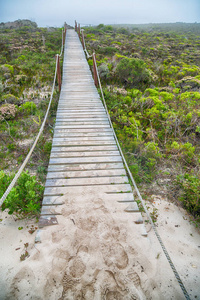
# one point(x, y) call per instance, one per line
point(65, 27)
point(94, 69)
point(64, 33)
point(58, 72)
point(83, 40)
point(75, 26)
point(79, 31)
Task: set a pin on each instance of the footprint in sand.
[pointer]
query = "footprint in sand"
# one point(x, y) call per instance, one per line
point(77, 268)
point(115, 254)
point(22, 283)
point(132, 276)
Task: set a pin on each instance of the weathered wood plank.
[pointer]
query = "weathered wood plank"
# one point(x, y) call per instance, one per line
point(84, 130)
point(77, 110)
point(63, 125)
point(85, 160)
point(81, 119)
point(85, 138)
point(85, 167)
point(84, 148)
point(82, 113)
point(58, 133)
point(109, 188)
point(52, 200)
point(86, 181)
point(91, 173)
point(82, 143)
point(84, 154)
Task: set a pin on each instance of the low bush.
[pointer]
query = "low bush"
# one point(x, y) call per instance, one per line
point(28, 108)
point(7, 111)
point(9, 98)
point(190, 193)
point(25, 198)
point(133, 72)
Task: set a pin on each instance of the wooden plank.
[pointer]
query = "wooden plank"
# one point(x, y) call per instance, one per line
point(47, 221)
point(82, 143)
point(85, 138)
point(82, 105)
point(85, 160)
point(77, 110)
point(85, 167)
point(63, 125)
point(120, 197)
point(58, 133)
point(81, 119)
point(132, 207)
point(86, 181)
point(84, 148)
point(68, 122)
point(79, 113)
point(91, 173)
point(83, 95)
point(111, 188)
point(50, 210)
point(84, 130)
point(52, 200)
point(84, 154)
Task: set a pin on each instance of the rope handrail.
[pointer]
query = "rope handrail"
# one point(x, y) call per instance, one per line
point(62, 45)
point(84, 46)
point(11, 185)
point(138, 192)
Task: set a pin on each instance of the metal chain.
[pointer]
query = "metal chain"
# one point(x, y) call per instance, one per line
point(139, 195)
point(35, 142)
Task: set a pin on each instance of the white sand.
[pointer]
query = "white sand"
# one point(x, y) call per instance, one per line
point(97, 252)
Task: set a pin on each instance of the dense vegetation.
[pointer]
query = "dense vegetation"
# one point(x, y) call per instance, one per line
point(151, 80)
point(27, 64)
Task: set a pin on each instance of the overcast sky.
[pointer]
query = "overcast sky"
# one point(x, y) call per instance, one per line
point(55, 12)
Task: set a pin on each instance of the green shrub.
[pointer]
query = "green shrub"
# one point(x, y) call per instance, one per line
point(9, 98)
point(25, 198)
point(9, 68)
point(107, 50)
point(103, 71)
point(134, 93)
point(133, 72)
point(28, 108)
point(190, 193)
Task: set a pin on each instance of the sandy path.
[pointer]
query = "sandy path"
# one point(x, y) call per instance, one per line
point(96, 252)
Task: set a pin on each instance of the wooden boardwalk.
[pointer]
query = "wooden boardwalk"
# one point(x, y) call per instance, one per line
point(84, 152)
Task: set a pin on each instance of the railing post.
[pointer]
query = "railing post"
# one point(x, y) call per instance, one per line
point(83, 40)
point(65, 27)
point(58, 72)
point(79, 31)
point(75, 26)
point(63, 33)
point(94, 69)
